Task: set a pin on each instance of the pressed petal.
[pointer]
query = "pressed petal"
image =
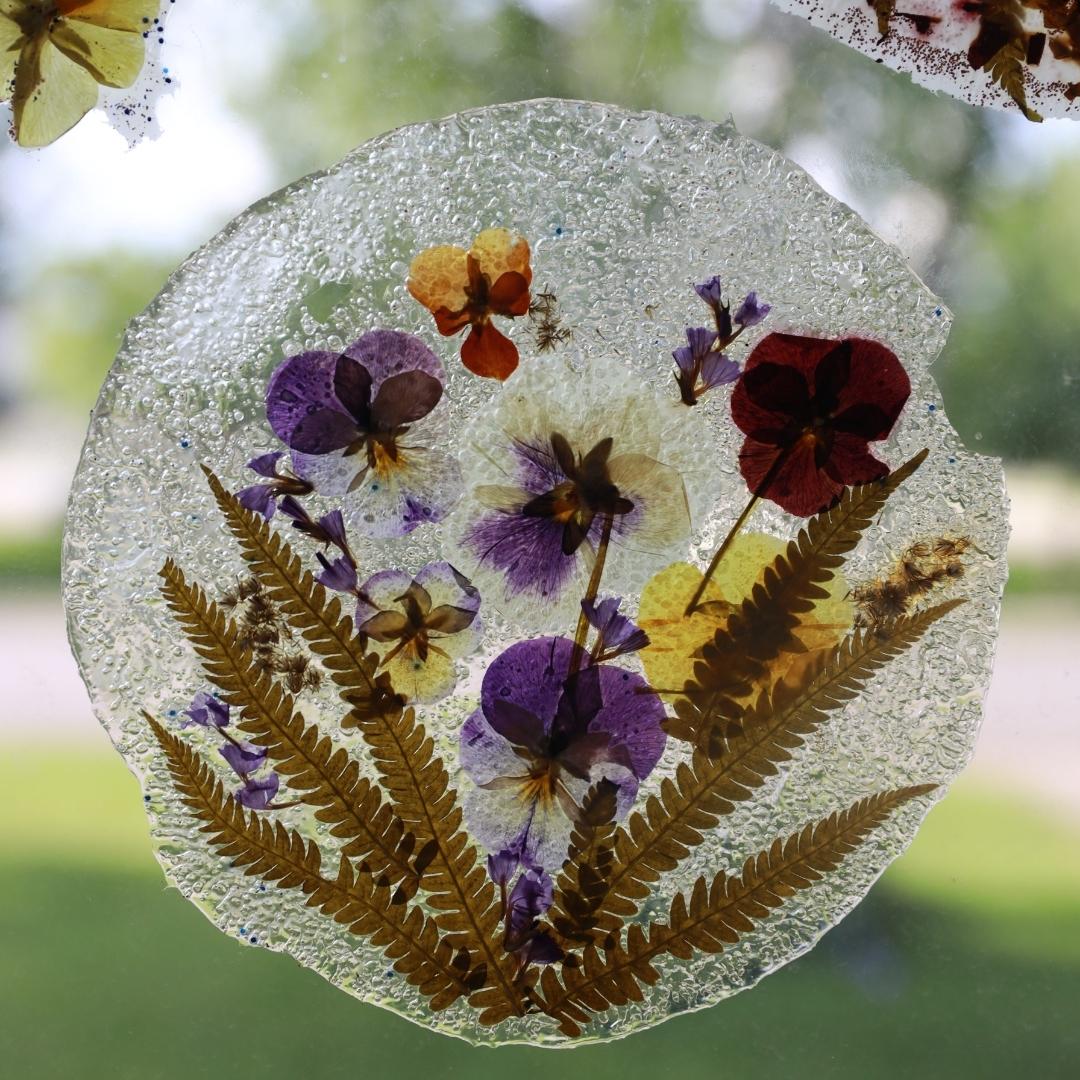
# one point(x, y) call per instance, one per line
point(751, 311)
point(392, 499)
point(801, 354)
point(113, 57)
point(531, 675)
point(532, 894)
point(259, 499)
point(770, 395)
point(422, 681)
point(438, 278)
point(258, 792)
point(52, 94)
point(131, 15)
point(12, 41)
point(405, 398)
point(850, 461)
point(527, 551)
point(799, 486)
point(485, 755)
point(266, 464)
point(717, 369)
point(243, 757)
point(385, 353)
point(446, 586)
point(207, 711)
point(488, 352)
point(385, 626)
point(661, 515)
point(710, 291)
point(509, 295)
point(339, 575)
point(301, 385)
point(499, 251)
point(876, 377)
point(502, 866)
point(380, 593)
point(502, 817)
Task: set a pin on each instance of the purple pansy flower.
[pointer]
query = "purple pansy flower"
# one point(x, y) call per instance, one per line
point(419, 626)
point(259, 498)
point(258, 792)
point(243, 757)
point(364, 424)
point(549, 467)
point(751, 311)
point(616, 634)
point(207, 711)
point(541, 738)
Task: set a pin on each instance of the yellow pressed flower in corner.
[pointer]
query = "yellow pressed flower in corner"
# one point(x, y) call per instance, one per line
point(466, 288)
point(54, 54)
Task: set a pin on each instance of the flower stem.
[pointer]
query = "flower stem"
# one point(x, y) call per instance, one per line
point(774, 468)
point(590, 594)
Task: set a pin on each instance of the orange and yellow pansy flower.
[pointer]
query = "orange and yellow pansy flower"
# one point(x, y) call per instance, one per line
point(466, 288)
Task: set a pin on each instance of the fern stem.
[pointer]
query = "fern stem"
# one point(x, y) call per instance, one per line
point(770, 476)
point(582, 631)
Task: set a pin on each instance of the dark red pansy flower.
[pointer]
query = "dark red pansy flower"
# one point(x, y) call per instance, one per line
point(810, 407)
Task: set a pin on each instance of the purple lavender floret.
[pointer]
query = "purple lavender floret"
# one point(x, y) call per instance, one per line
point(260, 498)
point(617, 634)
point(207, 711)
point(751, 311)
point(339, 575)
point(502, 866)
point(717, 369)
point(243, 757)
point(258, 792)
point(690, 357)
point(710, 291)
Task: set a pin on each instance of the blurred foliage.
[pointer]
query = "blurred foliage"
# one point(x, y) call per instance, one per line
point(1011, 372)
point(73, 320)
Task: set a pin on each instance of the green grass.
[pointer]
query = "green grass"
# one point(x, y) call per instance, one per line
point(949, 969)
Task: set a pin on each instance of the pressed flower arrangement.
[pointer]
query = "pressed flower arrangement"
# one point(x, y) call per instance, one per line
point(521, 670)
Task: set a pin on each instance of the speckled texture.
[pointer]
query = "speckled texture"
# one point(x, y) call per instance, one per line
point(937, 56)
point(624, 212)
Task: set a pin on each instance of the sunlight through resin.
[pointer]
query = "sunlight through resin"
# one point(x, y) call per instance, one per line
point(530, 570)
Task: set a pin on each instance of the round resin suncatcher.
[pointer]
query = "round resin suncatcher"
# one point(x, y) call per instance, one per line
point(530, 571)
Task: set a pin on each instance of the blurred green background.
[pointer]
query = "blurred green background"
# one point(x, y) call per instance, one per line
point(965, 960)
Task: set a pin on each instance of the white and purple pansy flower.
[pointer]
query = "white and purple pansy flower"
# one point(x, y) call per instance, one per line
point(543, 736)
point(418, 625)
point(561, 461)
point(365, 426)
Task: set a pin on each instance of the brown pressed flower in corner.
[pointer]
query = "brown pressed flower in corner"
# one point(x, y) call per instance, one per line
point(466, 288)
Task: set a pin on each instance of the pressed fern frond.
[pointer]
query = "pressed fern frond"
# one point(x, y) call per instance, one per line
point(1006, 68)
point(715, 914)
point(323, 775)
point(583, 883)
point(762, 626)
point(655, 841)
point(268, 850)
point(411, 772)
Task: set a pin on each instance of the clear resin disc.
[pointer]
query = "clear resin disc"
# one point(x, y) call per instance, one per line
point(492, 748)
